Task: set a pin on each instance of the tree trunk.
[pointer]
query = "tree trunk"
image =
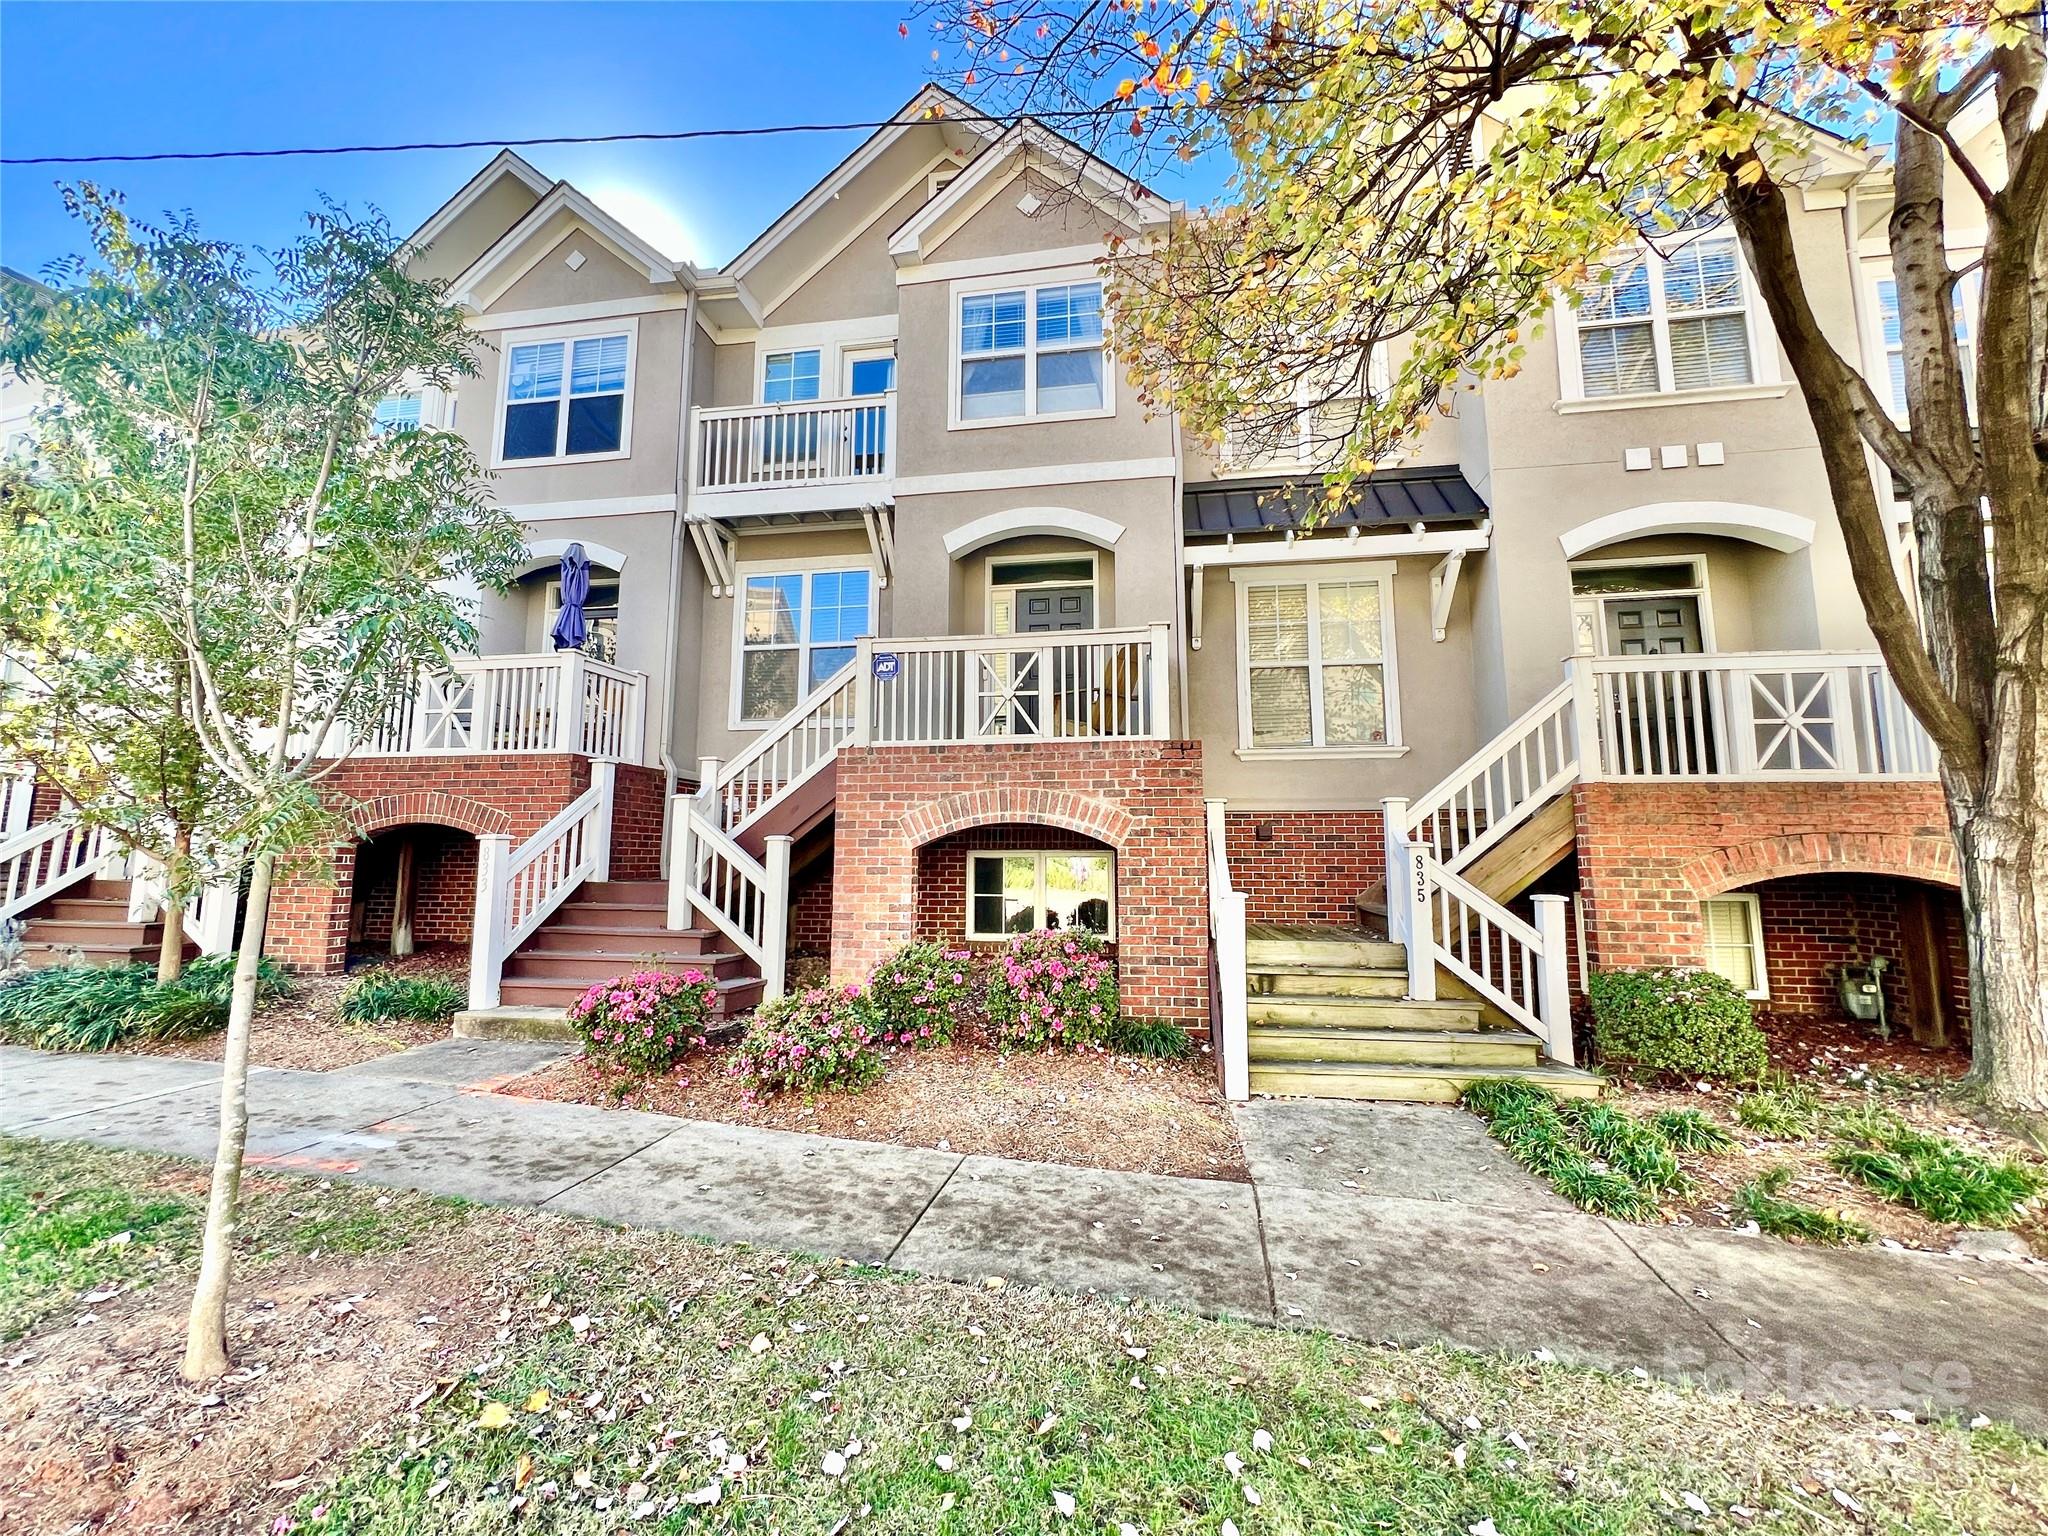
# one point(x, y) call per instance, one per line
point(170, 954)
point(2004, 847)
point(206, 1331)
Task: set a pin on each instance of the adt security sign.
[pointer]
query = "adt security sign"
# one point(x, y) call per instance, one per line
point(887, 665)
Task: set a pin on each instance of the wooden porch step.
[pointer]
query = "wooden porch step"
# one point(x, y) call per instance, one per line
point(735, 995)
point(653, 893)
point(647, 916)
point(1308, 978)
point(590, 965)
point(624, 939)
point(1281, 947)
point(1293, 1046)
point(1362, 1013)
point(40, 956)
point(1412, 1084)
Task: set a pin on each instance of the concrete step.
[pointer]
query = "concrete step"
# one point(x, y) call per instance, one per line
point(618, 939)
point(514, 1023)
point(598, 965)
point(1312, 979)
point(736, 995)
point(1411, 1084)
point(1362, 1013)
point(1364, 953)
point(1291, 1045)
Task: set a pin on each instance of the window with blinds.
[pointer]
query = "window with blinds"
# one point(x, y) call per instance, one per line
point(1967, 298)
point(545, 421)
point(1663, 325)
point(1735, 942)
point(1028, 352)
point(1317, 657)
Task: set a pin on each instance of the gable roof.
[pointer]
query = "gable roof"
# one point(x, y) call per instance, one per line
point(1125, 196)
point(504, 163)
point(929, 107)
point(562, 197)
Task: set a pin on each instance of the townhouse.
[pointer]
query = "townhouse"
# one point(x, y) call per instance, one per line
point(906, 620)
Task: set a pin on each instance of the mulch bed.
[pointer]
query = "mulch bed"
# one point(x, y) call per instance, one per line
point(1846, 1065)
point(1092, 1110)
point(304, 1029)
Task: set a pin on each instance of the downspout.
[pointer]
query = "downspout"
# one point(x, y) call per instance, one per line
point(673, 621)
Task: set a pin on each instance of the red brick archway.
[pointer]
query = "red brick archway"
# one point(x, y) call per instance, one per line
point(1141, 798)
point(1065, 809)
point(1907, 857)
point(432, 808)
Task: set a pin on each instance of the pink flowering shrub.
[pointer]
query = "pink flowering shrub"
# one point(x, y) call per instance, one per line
point(823, 1037)
point(1050, 988)
point(646, 1022)
point(921, 993)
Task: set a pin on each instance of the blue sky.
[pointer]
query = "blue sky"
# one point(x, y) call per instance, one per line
point(84, 78)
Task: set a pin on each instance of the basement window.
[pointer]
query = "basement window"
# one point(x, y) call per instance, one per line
point(1735, 942)
point(1011, 893)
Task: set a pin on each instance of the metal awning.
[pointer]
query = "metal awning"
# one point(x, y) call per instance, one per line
point(1400, 497)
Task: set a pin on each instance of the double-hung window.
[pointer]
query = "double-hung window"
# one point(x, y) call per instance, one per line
point(1663, 325)
point(1011, 893)
point(1735, 942)
point(395, 413)
point(1316, 660)
point(566, 398)
point(1028, 352)
point(797, 630)
point(1966, 301)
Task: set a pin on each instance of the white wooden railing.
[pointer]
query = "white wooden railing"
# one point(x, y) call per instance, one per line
point(1084, 685)
point(787, 754)
point(1500, 786)
point(1764, 715)
point(17, 797)
point(803, 442)
point(1227, 979)
point(516, 889)
point(560, 701)
point(744, 898)
point(50, 857)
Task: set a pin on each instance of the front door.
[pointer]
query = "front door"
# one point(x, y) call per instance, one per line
point(1039, 609)
point(870, 372)
point(1654, 626)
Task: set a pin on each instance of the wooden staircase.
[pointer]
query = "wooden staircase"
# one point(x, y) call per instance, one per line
point(1327, 1017)
point(609, 928)
point(89, 922)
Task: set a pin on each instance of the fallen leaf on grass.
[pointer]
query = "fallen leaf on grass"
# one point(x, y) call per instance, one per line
point(494, 1416)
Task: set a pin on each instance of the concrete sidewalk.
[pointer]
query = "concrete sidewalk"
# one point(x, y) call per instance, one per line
point(1381, 1222)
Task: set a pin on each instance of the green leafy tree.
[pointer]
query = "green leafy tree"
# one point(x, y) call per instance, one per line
point(296, 566)
point(1417, 178)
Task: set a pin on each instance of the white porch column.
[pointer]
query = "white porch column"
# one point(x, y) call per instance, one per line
point(775, 917)
point(1578, 671)
point(1226, 934)
point(1159, 719)
point(1394, 837)
point(1553, 985)
point(493, 854)
point(569, 701)
point(604, 779)
point(682, 861)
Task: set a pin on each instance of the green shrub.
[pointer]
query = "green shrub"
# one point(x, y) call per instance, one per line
point(1689, 1023)
point(922, 992)
point(1690, 1130)
point(1631, 1147)
point(1526, 1120)
point(1051, 988)
point(1762, 1201)
point(821, 1038)
point(1160, 1039)
point(1783, 1113)
point(95, 1008)
point(379, 996)
point(1932, 1174)
point(645, 1022)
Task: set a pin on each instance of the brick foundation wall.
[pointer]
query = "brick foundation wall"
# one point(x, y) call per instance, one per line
point(1304, 866)
point(1815, 924)
point(1649, 852)
point(637, 795)
point(1141, 798)
point(513, 794)
point(810, 914)
point(942, 873)
point(444, 887)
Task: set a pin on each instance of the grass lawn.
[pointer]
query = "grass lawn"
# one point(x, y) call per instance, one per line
point(412, 1365)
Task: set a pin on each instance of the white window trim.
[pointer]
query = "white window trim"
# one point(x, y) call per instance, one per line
point(1244, 577)
point(826, 358)
point(805, 567)
point(629, 327)
point(1877, 355)
point(1766, 381)
point(1108, 936)
point(833, 344)
point(1030, 282)
point(991, 587)
point(1699, 589)
point(1762, 991)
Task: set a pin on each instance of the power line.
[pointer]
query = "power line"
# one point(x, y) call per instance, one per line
point(678, 136)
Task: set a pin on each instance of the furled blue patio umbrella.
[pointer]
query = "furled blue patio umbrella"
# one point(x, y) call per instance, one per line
point(570, 630)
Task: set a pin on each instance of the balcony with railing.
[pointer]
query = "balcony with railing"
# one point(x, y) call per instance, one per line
point(797, 455)
point(560, 701)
